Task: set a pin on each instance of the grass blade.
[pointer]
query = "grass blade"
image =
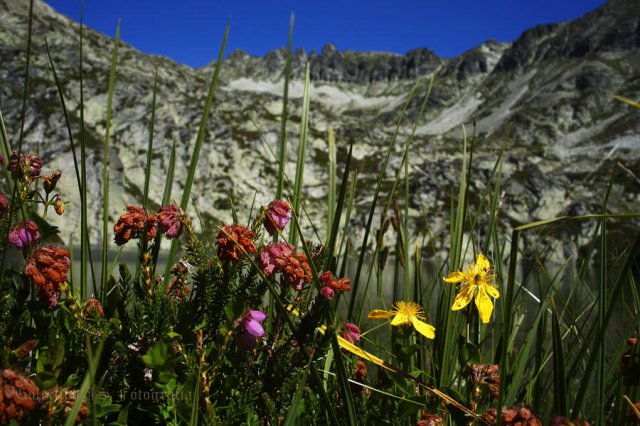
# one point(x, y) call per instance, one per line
point(152, 119)
point(25, 90)
point(293, 415)
point(331, 193)
point(105, 168)
point(333, 235)
point(202, 130)
point(282, 148)
point(302, 150)
point(343, 381)
point(559, 380)
point(85, 244)
point(376, 194)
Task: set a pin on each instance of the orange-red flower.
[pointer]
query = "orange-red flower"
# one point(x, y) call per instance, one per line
point(487, 375)
point(48, 269)
point(134, 223)
point(281, 257)
point(18, 395)
point(512, 416)
point(231, 238)
point(332, 284)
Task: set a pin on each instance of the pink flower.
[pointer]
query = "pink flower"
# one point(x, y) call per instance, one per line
point(170, 220)
point(25, 166)
point(278, 215)
point(327, 292)
point(350, 332)
point(251, 329)
point(4, 205)
point(24, 234)
point(273, 256)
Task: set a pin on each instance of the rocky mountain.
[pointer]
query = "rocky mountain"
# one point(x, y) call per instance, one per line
point(545, 101)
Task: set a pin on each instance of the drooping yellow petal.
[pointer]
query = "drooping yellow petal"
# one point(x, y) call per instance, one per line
point(484, 305)
point(454, 277)
point(463, 297)
point(492, 290)
point(483, 263)
point(380, 314)
point(401, 319)
point(423, 328)
point(348, 346)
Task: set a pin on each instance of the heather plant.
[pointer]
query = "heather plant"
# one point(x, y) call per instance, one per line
point(255, 322)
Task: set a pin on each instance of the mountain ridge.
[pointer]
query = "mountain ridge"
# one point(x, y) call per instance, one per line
point(549, 109)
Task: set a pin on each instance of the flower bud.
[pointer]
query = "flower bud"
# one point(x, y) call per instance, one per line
point(58, 205)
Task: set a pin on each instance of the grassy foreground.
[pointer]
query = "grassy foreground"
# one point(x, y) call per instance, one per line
point(256, 323)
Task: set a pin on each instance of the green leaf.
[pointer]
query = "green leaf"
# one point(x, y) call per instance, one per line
point(159, 356)
point(47, 379)
point(469, 353)
point(105, 406)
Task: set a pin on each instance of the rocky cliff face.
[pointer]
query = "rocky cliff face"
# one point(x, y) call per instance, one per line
point(545, 101)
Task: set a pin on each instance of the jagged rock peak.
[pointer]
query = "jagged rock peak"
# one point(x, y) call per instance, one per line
point(613, 28)
point(333, 65)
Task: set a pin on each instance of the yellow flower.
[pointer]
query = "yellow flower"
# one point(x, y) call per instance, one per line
point(478, 277)
point(406, 313)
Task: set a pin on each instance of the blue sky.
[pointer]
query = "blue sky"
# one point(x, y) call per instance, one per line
point(190, 31)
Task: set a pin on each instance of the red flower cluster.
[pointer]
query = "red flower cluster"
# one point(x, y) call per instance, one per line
point(486, 375)
point(178, 286)
point(59, 402)
point(513, 416)
point(332, 284)
point(48, 269)
point(4, 205)
point(134, 223)
point(428, 419)
point(231, 238)
point(92, 309)
point(359, 376)
point(17, 396)
point(631, 362)
point(281, 257)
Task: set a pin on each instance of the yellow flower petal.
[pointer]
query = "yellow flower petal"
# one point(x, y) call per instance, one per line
point(483, 263)
point(401, 319)
point(484, 305)
point(423, 328)
point(463, 297)
point(454, 277)
point(492, 290)
point(380, 314)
